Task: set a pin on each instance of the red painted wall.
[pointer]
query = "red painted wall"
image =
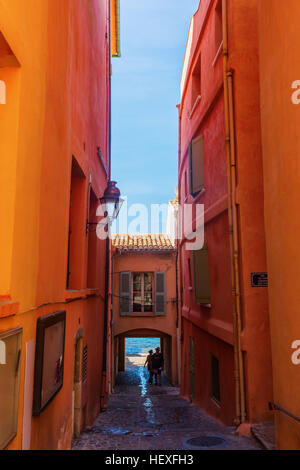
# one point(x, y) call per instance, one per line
point(212, 328)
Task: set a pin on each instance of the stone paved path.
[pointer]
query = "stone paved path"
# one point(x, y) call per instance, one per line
point(140, 416)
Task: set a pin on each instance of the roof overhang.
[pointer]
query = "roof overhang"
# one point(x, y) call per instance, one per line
point(186, 58)
point(115, 28)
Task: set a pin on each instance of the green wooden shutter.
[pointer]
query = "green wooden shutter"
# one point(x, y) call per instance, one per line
point(196, 156)
point(201, 276)
point(125, 293)
point(160, 293)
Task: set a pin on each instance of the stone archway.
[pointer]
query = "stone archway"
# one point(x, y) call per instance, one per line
point(166, 347)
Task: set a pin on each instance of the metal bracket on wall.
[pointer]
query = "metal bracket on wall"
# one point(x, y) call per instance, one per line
point(100, 155)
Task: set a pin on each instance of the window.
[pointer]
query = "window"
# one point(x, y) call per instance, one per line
point(10, 343)
point(92, 242)
point(76, 227)
point(192, 369)
point(7, 57)
point(142, 293)
point(10, 85)
point(215, 378)
point(218, 25)
point(196, 82)
point(196, 156)
point(201, 276)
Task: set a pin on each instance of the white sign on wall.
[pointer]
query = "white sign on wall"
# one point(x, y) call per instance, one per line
point(2, 92)
point(2, 353)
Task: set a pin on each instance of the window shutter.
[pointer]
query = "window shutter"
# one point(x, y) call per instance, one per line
point(125, 297)
point(201, 276)
point(160, 293)
point(196, 154)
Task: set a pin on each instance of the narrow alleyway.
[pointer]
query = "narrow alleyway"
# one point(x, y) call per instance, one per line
point(140, 416)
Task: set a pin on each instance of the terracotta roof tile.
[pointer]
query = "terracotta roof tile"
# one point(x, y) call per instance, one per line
point(145, 242)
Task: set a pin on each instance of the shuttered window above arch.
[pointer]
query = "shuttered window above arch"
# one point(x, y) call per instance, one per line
point(142, 293)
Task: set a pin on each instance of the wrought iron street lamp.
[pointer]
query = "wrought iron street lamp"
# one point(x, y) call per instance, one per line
point(111, 201)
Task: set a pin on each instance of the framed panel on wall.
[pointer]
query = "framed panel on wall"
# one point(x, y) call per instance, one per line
point(10, 357)
point(49, 359)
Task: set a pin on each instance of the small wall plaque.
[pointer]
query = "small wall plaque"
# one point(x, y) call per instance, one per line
point(259, 279)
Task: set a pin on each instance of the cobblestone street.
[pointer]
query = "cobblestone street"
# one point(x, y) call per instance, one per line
point(140, 416)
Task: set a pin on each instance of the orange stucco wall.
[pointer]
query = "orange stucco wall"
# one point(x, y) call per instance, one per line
point(57, 109)
point(139, 324)
point(279, 68)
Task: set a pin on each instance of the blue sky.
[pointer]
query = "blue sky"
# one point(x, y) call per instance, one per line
point(145, 91)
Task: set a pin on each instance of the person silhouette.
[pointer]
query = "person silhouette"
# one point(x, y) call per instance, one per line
point(157, 365)
point(148, 362)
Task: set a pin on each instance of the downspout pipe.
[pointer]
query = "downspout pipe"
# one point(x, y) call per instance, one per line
point(107, 241)
point(109, 90)
point(233, 226)
point(112, 345)
point(177, 309)
point(178, 267)
point(236, 253)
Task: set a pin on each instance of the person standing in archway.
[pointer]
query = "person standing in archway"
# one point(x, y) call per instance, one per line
point(149, 365)
point(157, 365)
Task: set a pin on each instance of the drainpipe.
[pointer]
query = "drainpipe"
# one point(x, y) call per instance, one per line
point(233, 226)
point(112, 345)
point(107, 241)
point(177, 316)
point(178, 220)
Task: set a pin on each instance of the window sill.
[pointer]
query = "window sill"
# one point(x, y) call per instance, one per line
point(8, 309)
point(217, 54)
point(215, 401)
point(199, 195)
point(72, 294)
point(92, 291)
point(141, 314)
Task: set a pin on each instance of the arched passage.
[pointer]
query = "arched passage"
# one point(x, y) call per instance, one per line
point(165, 340)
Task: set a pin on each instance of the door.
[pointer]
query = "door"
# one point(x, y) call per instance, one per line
point(77, 388)
point(192, 381)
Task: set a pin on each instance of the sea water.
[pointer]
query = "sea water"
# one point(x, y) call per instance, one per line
point(141, 346)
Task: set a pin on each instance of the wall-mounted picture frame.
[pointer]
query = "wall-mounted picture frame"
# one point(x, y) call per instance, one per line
point(49, 359)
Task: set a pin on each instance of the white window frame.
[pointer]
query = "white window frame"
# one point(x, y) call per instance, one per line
point(142, 273)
